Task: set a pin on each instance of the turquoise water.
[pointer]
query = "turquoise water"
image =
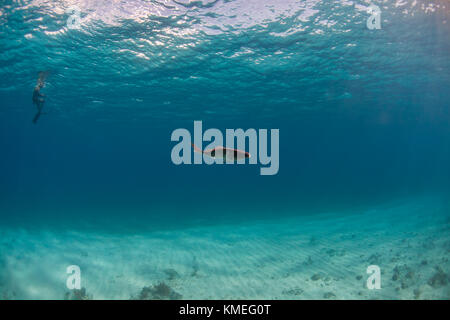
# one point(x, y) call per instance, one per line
point(364, 149)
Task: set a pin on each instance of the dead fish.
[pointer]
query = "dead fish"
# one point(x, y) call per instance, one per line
point(224, 153)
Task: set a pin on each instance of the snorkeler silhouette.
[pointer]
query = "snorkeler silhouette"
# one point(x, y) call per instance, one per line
point(222, 152)
point(38, 97)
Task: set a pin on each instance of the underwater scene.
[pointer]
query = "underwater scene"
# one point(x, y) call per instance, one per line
point(224, 149)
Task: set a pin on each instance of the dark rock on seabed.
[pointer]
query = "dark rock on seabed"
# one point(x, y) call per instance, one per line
point(160, 291)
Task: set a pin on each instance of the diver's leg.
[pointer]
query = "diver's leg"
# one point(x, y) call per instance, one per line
point(39, 106)
point(36, 117)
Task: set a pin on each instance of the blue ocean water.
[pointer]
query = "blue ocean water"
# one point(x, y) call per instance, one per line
point(363, 117)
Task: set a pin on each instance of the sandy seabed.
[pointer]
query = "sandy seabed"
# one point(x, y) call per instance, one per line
point(311, 257)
